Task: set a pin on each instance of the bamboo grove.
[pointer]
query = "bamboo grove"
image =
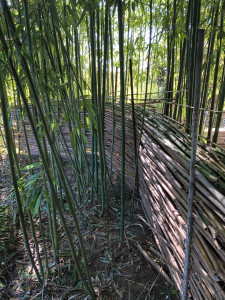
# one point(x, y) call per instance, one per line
point(67, 65)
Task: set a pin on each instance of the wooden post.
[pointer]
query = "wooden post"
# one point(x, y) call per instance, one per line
point(197, 94)
point(136, 188)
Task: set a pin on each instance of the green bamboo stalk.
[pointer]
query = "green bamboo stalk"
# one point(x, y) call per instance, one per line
point(182, 63)
point(36, 244)
point(44, 243)
point(136, 187)
point(100, 126)
point(195, 19)
point(208, 70)
point(102, 154)
point(220, 108)
point(94, 97)
point(127, 49)
point(197, 89)
point(113, 93)
point(122, 108)
point(13, 173)
point(215, 80)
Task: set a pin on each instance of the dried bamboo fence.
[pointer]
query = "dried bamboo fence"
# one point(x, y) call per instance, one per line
point(163, 170)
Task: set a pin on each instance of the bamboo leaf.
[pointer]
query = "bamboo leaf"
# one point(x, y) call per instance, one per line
point(37, 205)
point(73, 138)
point(68, 34)
point(84, 137)
point(29, 167)
point(82, 16)
point(47, 197)
point(70, 20)
point(17, 31)
point(33, 181)
point(54, 12)
point(27, 56)
point(89, 124)
point(12, 118)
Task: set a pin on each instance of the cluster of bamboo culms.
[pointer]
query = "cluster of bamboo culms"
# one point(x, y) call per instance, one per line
point(163, 176)
point(41, 188)
point(41, 70)
point(179, 105)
